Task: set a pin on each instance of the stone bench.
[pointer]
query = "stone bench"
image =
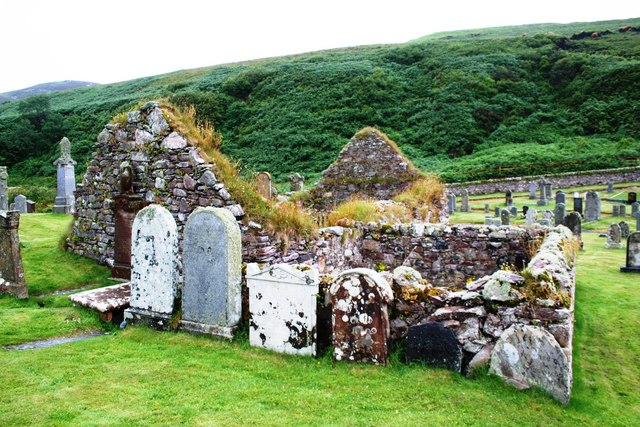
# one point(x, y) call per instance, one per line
point(110, 302)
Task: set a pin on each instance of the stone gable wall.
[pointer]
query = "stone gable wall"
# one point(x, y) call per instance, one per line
point(167, 170)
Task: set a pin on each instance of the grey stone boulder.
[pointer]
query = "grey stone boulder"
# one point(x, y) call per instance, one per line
point(528, 356)
point(498, 287)
point(407, 277)
point(174, 141)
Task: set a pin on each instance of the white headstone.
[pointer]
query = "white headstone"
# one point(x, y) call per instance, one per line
point(20, 203)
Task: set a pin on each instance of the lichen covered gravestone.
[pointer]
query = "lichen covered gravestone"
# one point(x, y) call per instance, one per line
point(532, 190)
point(360, 320)
point(4, 197)
point(296, 182)
point(558, 213)
point(66, 177)
point(433, 344)
point(633, 254)
point(154, 267)
point(573, 221)
point(465, 200)
point(263, 181)
point(527, 356)
point(12, 279)
point(282, 306)
point(613, 237)
point(624, 229)
point(504, 217)
point(531, 217)
point(592, 206)
point(451, 203)
point(212, 261)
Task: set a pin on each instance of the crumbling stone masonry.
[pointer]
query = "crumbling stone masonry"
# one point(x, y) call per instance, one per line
point(11, 272)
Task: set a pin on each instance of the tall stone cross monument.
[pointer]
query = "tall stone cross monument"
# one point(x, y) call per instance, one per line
point(4, 198)
point(65, 200)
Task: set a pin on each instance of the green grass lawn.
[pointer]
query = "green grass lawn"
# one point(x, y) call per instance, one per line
point(143, 377)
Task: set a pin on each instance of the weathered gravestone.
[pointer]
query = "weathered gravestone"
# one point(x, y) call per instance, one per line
point(573, 221)
point(433, 344)
point(577, 203)
point(592, 206)
point(4, 197)
point(212, 262)
point(12, 279)
point(486, 208)
point(632, 197)
point(613, 237)
point(635, 207)
point(633, 254)
point(20, 203)
point(264, 185)
point(465, 200)
point(504, 217)
point(296, 182)
point(508, 198)
point(615, 210)
point(532, 190)
point(558, 213)
point(624, 229)
point(513, 211)
point(125, 207)
point(527, 356)
point(488, 220)
point(542, 199)
point(623, 210)
point(282, 307)
point(496, 212)
point(66, 178)
point(359, 299)
point(561, 197)
point(451, 203)
point(154, 268)
point(548, 191)
point(609, 187)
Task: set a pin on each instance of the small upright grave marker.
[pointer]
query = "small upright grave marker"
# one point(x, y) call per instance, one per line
point(633, 254)
point(613, 237)
point(624, 229)
point(532, 190)
point(508, 198)
point(296, 182)
point(4, 197)
point(577, 202)
point(592, 206)
point(264, 185)
point(465, 200)
point(623, 210)
point(609, 187)
point(558, 213)
point(504, 217)
point(561, 197)
point(20, 203)
point(632, 197)
point(451, 203)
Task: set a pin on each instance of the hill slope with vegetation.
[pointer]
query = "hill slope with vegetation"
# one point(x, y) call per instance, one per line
point(504, 103)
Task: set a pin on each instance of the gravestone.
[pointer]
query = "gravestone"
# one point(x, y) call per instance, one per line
point(624, 229)
point(638, 222)
point(632, 197)
point(561, 197)
point(359, 299)
point(573, 221)
point(525, 209)
point(623, 210)
point(497, 212)
point(433, 344)
point(282, 308)
point(613, 237)
point(296, 182)
point(497, 222)
point(154, 268)
point(545, 222)
point(532, 190)
point(125, 207)
point(615, 210)
point(592, 206)
point(66, 179)
point(31, 206)
point(465, 200)
point(635, 208)
point(609, 187)
point(504, 217)
point(264, 185)
point(633, 254)
point(20, 203)
point(513, 210)
point(527, 356)
point(577, 203)
point(12, 280)
point(548, 191)
point(451, 203)
point(4, 196)
point(508, 198)
point(212, 262)
point(486, 208)
point(542, 199)
point(558, 213)
point(488, 220)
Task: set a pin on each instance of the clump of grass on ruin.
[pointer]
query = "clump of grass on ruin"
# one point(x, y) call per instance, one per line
point(423, 198)
point(354, 210)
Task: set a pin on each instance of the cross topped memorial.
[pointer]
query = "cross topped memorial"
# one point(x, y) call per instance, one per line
point(65, 200)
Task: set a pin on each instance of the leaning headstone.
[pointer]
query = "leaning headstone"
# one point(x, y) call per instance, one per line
point(592, 206)
point(504, 217)
point(573, 221)
point(65, 200)
point(635, 207)
point(624, 229)
point(615, 210)
point(296, 182)
point(12, 280)
point(212, 262)
point(613, 237)
point(496, 212)
point(561, 197)
point(433, 344)
point(20, 203)
point(558, 213)
point(623, 210)
point(548, 191)
point(465, 200)
point(282, 308)
point(359, 299)
point(154, 268)
point(528, 356)
point(531, 217)
point(4, 196)
point(486, 208)
point(633, 254)
point(609, 187)
point(513, 211)
point(577, 202)
point(264, 185)
point(533, 186)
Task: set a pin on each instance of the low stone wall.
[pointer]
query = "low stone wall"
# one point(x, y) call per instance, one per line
point(560, 180)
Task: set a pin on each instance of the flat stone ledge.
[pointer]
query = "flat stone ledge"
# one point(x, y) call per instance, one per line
point(110, 301)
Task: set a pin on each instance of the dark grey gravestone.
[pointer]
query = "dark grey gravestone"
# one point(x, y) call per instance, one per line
point(508, 198)
point(542, 200)
point(4, 197)
point(592, 206)
point(609, 187)
point(486, 208)
point(632, 197)
point(615, 210)
point(633, 254)
point(465, 200)
point(573, 221)
point(20, 203)
point(31, 206)
point(433, 344)
point(451, 203)
point(212, 261)
point(613, 237)
point(533, 186)
point(497, 212)
point(561, 197)
point(635, 207)
point(525, 209)
point(558, 213)
point(624, 229)
point(504, 217)
point(577, 202)
point(548, 190)
point(623, 210)
point(513, 210)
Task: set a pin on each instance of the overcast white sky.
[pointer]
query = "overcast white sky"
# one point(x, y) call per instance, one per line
point(106, 41)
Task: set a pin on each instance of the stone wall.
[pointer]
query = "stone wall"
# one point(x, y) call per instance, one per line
point(167, 170)
point(560, 180)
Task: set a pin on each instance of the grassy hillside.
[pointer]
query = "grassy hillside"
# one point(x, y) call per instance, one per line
point(462, 105)
point(42, 89)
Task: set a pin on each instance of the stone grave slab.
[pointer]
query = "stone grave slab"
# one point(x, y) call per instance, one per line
point(110, 301)
point(435, 345)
